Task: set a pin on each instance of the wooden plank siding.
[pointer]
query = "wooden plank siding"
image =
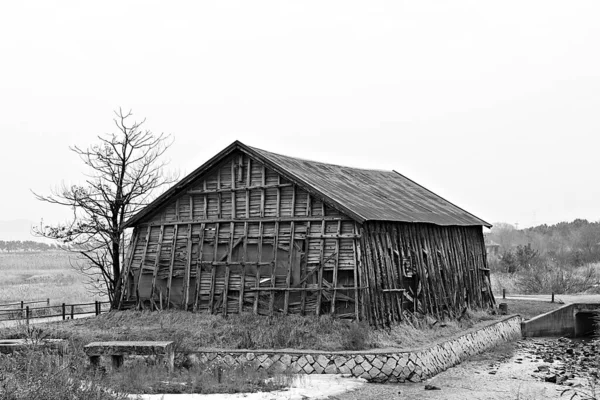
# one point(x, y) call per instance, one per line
point(236, 240)
point(243, 238)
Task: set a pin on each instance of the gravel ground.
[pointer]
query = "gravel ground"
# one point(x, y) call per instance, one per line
point(508, 374)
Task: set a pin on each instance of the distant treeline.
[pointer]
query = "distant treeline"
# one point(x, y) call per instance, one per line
point(25, 245)
point(567, 243)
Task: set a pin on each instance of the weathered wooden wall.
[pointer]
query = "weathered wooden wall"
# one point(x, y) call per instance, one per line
point(244, 238)
point(422, 268)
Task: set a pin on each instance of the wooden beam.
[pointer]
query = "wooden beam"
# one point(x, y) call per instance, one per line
point(243, 273)
point(268, 219)
point(274, 266)
point(171, 261)
point(259, 260)
point(188, 270)
point(199, 267)
point(213, 272)
point(236, 189)
point(321, 266)
point(357, 265)
point(156, 261)
point(227, 268)
point(336, 266)
point(288, 278)
point(137, 283)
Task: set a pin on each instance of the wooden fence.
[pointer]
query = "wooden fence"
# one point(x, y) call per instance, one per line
point(26, 313)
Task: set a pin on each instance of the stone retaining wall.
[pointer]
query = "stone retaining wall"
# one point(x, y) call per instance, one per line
point(376, 365)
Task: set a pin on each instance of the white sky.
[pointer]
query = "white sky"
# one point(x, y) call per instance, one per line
point(491, 104)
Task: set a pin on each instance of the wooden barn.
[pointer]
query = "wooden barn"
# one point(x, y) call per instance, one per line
point(260, 232)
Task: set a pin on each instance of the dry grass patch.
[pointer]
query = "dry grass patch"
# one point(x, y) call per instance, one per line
point(192, 331)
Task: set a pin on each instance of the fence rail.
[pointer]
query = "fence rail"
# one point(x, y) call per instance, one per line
point(26, 313)
point(23, 303)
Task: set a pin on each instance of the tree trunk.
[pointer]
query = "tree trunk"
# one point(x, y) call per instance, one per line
point(116, 265)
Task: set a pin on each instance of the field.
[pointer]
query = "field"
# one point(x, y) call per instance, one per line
point(32, 276)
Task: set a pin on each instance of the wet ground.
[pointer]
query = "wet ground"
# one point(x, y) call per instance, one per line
point(530, 369)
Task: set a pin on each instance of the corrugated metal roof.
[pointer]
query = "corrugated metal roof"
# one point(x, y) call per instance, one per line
point(364, 194)
point(374, 194)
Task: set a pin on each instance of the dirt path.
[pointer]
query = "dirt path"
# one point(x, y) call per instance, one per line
point(494, 376)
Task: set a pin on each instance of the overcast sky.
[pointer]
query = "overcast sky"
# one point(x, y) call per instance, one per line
point(493, 105)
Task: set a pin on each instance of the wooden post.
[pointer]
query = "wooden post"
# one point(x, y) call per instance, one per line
point(171, 262)
point(243, 273)
point(137, 283)
point(47, 302)
point(336, 266)
point(503, 293)
point(321, 266)
point(274, 265)
point(227, 268)
point(64, 311)
point(288, 278)
point(27, 314)
point(552, 297)
point(188, 270)
point(157, 261)
point(199, 267)
point(213, 276)
point(72, 311)
point(96, 307)
point(259, 260)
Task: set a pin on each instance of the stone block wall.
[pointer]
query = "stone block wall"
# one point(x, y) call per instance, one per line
point(376, 365)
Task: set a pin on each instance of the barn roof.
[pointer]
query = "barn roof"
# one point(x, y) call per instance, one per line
point(363, 194)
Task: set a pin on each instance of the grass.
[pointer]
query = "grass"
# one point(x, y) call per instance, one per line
point(31, 276)
point(191, 331)
point(528, 309)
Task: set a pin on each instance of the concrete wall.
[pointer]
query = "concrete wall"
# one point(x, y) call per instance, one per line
point(561, 322)
point(377, 365)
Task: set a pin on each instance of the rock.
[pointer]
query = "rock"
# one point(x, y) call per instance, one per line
point(431, 387)
point(551, 379)
point(492, 372)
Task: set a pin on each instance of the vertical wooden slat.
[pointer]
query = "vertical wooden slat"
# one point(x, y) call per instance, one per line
point(357, 266)
point(171, 262)
point(191, 207)
point(336, 266)
point(321, 267)
point(248, 182)
point(243, 273)
point(199, 267)
point(205, 205)
point(273, 267)
point(177, 206)
point(213, 272)
point(259, 260)
point(219, 196)
point(262, 191)
point(233, 196)
point(137, 283)
point(156, 261)
point(188, 270)
point(227, 268)
point(304, 269)
point(288, 278)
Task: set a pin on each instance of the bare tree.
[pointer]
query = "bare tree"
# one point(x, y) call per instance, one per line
point(125, 170)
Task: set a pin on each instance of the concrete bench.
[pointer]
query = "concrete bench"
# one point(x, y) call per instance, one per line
point(118, 349)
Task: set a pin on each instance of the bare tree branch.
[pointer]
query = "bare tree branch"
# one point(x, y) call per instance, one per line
point(124, 169)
